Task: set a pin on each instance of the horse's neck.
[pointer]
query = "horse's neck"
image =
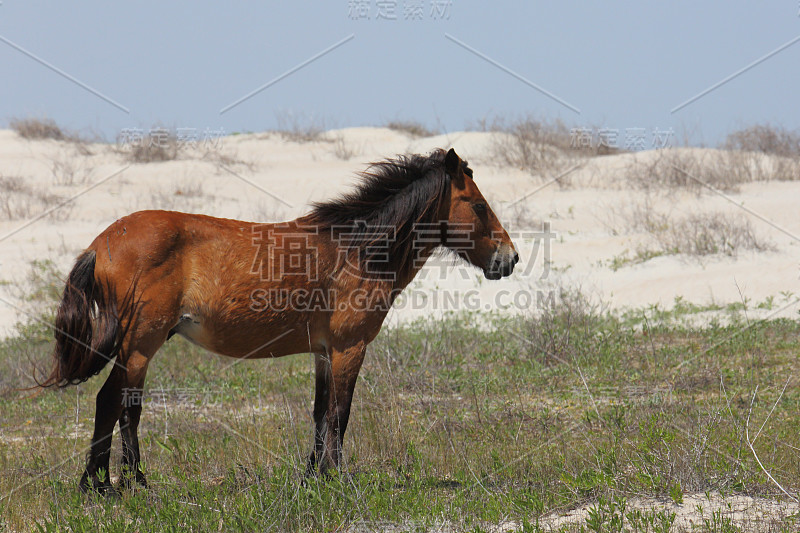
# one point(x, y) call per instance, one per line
point(407, 274)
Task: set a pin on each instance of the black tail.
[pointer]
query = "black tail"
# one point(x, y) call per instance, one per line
point(87, 329)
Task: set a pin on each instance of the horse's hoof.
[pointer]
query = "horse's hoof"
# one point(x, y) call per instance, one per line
point(109, 492)
point(311, 471)
point(308, 478)
point(83, 484)
point(128, 479)
point(95, 487)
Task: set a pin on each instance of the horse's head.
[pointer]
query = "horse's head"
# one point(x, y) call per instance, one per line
point(473, 230)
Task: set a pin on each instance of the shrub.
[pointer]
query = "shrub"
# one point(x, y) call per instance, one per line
point(766, 139)
point(411, 128)
point(38, 128)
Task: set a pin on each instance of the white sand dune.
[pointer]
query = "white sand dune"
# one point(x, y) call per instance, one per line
point(265, 177)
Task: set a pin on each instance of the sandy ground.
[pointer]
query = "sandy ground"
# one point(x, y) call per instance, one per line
point(55, 198)
point(698, 512)
point(264, 177)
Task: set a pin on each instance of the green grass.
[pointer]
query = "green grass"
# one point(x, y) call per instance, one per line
point(451, 424)
point(642, 255)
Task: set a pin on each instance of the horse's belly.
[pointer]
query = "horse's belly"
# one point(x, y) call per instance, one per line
point(259, 339)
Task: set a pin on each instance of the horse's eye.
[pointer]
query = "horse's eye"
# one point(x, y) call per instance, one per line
point(480, 209)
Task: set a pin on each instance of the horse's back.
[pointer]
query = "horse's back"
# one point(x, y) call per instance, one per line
point(197, 274)
point(155, 243)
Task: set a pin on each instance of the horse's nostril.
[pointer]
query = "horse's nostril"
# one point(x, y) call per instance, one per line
point(516, 258)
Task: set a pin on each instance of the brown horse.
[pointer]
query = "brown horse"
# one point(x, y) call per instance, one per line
point(320, 284)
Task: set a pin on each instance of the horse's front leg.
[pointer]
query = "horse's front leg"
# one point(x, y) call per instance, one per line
point(322, 371)
point(344, 367)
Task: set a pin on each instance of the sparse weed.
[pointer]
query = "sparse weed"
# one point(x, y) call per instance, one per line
point(187, 196)
point(695, 236)
point(38, 128)
point(709, 234)
point(341, 149)
point(46, 128)
point(520, 216)
point(70, 168)
point(757, 153)
point(650, 521)
point(156, 146)
point(190, 189)
point(539, 147)
point(608, 516)
point(453, 426)
point(765, 139)
point(21, 201)
point(641, 255)
point(719, 522)
point(300, 128)
point(685, 168)
point(411, 128)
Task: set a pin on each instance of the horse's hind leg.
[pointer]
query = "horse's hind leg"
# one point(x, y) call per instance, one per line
point(115, 402)
point(109, 406)
point(129, 421)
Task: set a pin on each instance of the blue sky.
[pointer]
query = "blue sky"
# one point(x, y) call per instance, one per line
point(622, 64)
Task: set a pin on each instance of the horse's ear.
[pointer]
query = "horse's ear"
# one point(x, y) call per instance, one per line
point(452, 165)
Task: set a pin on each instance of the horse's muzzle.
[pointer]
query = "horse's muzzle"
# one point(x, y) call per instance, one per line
point(501, 263)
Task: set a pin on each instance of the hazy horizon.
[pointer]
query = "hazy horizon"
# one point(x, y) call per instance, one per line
point(699, 70)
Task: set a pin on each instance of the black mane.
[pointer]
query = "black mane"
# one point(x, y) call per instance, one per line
point(393, 198)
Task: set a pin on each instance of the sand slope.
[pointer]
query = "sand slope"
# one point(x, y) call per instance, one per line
point(592, 214)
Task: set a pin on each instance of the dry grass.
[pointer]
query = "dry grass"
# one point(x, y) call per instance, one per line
point(148, 153)
point(550, 335)
point(264, 210)
point(412, 128)
point(46, 128)
point(21, 201)
point(300, 128)
point(765, 139)
point(160, 144)
point(754, 154)
point(223, 158)
point(699, 170)
point(190, 189)
point(187, 196)
point(682, 169)
point(155, 146)
point(532, 145)
point(713, 233)
point(70, 167)
point(453, 427)
point(764, 153)
point(520, 216)
point(342, 149)
point(753, 166)
point(38, 128)
point(696, 235)
point(541, 147)
point(547, 149)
